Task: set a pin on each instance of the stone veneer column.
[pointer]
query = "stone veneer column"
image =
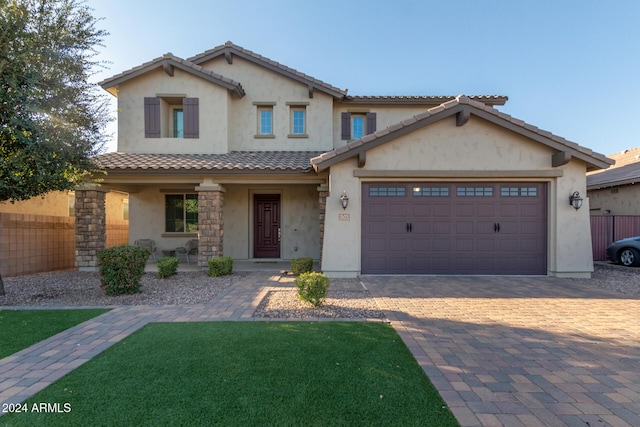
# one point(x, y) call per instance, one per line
point(91, 228)
point(210, 222)
point(323, 193)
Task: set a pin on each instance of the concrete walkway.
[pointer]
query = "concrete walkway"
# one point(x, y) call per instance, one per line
point(501, 351)
point(521, 351)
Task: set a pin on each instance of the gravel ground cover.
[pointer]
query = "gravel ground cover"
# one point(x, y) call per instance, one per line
point(346, 299)
point(80, 288)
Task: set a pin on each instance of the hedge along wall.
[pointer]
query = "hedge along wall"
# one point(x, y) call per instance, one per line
point(38, 243)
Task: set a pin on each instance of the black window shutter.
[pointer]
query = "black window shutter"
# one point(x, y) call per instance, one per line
point(191, 117)
point(371, 123)
point(346, 126)
point(152, 118)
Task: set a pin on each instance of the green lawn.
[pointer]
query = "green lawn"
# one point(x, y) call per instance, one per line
point(247, 374)
point(20, 329)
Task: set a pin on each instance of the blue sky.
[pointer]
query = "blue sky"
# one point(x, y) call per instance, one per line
point(571, 67)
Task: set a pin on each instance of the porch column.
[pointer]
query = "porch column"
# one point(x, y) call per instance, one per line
point(91, 228)
point(323, 193)
point(210, 222)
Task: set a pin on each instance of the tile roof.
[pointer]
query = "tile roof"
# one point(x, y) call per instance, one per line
point(174, 61)
point(625, 171)
point(234, 161)
point(459, 104)
point(423, 100)
point(230, 48)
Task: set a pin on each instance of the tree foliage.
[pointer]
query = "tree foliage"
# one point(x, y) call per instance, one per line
point(52, 119)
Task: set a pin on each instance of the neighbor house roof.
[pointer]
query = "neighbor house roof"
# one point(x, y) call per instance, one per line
point(625, 171)
point(422, 100)
point(229, 50)
point(232, 162)
point(168, 62)
point(463, 107)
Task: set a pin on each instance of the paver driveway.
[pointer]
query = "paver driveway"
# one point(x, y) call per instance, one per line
point(521, 351)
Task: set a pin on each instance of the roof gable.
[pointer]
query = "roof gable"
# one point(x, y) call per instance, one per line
point(463, 107)
point(229, 50)
point(168, 62)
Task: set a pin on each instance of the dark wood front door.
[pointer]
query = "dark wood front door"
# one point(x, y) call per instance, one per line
point(266, 226)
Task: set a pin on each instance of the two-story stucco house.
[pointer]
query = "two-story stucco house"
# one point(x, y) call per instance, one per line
point(262, 162)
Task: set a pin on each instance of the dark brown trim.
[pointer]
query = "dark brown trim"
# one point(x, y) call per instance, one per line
point(560, 158)
point(463, 117)
point(168, 68)
point(362, 159)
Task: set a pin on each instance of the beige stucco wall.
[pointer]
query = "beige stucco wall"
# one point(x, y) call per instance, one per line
point(300, 212)
point(227, 122)
point(213, 109)
point(386, 115)
point(477, 146)
point(623, 200)
point(264, 86)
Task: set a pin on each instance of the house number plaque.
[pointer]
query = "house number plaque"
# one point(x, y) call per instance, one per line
point(344, 217)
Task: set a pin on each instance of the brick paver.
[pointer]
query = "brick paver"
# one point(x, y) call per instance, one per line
point(501, 351)
point(522, 350)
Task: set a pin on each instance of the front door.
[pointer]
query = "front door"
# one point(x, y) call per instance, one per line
point(266, 226)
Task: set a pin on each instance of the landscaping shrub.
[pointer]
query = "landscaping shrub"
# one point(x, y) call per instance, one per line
point(220, 266)
point(167, 266)
point(301, 265)
point(121, 268)
point(312, 287)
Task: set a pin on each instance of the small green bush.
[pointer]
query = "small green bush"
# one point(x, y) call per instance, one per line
point(312, 287)
point(220, 266)
point(121, 268)
point(301, 265)
point(167, 266)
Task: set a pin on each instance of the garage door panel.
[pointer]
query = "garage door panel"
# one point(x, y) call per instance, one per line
point(464, 245)
point(441, 210)
point(455, 228)
point(484, 210)
point(397, 245)
point(441, 227)
point(464, 227)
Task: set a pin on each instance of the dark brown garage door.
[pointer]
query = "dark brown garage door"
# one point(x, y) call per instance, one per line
point(454, 228)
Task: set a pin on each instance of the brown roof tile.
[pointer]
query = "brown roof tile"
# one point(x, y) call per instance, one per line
point(249, 161)
point(626, 170)
point(423, 100)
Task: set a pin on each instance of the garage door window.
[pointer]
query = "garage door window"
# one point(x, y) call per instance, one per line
point(387, 192)
point(474, 191)
point(518, 192)
point(430, 192)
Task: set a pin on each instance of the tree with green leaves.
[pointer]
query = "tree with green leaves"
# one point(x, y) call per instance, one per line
point(52, 119)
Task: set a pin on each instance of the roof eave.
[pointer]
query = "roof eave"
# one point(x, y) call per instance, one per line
point(231, 49)
point(110, 84)
point(354, 148)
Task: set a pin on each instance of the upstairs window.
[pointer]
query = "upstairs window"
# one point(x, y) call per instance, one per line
point(171, 116)
point(178, 123)
point(356, 125)
point(297, 120)
point(266, 121)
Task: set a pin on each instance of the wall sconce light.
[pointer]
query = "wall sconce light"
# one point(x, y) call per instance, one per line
point(344, 200)
point(575, 200)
